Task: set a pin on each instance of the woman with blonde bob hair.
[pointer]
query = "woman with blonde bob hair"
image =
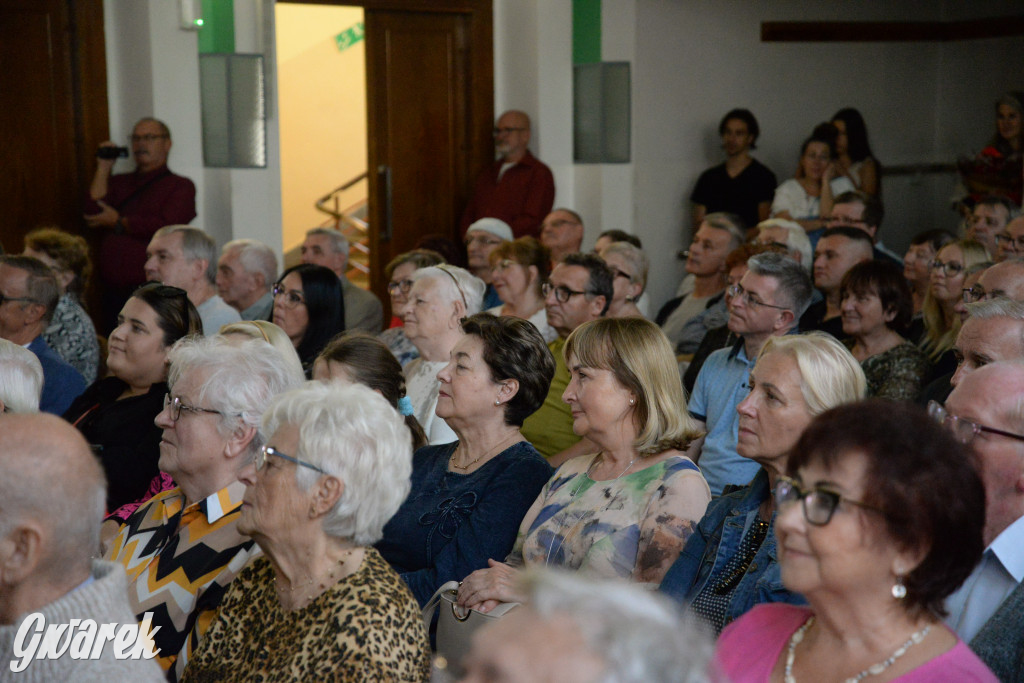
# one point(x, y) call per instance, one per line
point(627, 510)
point(334, 469)
point(729, 563)
point(270, 333)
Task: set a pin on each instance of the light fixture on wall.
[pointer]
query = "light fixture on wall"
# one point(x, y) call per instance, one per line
point(190, 14)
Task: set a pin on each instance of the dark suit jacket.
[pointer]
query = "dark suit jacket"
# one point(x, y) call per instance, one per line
point(61, 383)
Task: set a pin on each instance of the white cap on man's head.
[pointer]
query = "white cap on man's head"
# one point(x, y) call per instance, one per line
point(495, 226)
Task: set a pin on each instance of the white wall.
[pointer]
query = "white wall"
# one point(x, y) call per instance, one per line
point(693, 61)
point(153, 70)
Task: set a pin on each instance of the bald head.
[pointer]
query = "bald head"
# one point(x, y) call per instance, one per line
point(1004, 279)
point(512, 135)
point(52, 498)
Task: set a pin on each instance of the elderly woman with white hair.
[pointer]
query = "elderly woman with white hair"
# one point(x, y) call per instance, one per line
point(576, 630)
point(321, 604)
point(182, 548)
point(21, 379)
point(629, 266)
point(440, 297)
point(729, 563)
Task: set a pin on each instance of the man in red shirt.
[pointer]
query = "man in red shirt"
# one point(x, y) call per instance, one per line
point(129, 207)
point(517, 188)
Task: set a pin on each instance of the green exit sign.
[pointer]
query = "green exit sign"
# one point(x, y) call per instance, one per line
point(349, 37)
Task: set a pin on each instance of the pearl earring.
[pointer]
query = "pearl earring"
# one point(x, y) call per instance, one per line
point(632, 401)
point(899, 591)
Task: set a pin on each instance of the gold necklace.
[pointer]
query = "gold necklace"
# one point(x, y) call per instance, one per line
point(321, 585)
point(497, 449)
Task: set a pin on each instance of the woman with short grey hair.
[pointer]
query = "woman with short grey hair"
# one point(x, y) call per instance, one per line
point(440, 297)
point(335, 468)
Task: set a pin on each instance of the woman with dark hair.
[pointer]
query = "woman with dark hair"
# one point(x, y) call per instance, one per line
point(70, 332)
point(876, 309)
point(115, 414)
point(880, 519)
point(469, 496)
point(518, 269)
point(358, 357)
point(309, 307)
point(809, 195)
point(917, 264)
point(853, 152)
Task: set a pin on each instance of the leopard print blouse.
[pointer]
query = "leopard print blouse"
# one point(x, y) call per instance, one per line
point(366, 628)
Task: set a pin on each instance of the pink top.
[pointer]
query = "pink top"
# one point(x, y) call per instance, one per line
point(750, 646)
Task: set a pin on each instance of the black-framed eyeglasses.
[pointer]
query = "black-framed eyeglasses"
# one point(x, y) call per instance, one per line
point(964, 430)
point(562, 293)
point(819, 503)
point(261, 459)
point(292, 298)
point(621, 273)
point(177, 405)
point(402, 286)
point(975, 294)
point(737, 292)
point(949, 268)
point(4, 299)
point(1004, 240)
point(506, 131)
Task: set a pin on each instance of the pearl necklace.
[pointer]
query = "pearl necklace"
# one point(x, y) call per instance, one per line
point(872, 670)
point(321, 585)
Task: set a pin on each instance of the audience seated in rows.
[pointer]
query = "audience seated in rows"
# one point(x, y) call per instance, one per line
point(182, 548)
point(186, 257)
point(579, 290)
point(767, 302)
point(53, 490)
point(397, 271)
point(70, 332)
point(729, 563)
point(324, 602)
point(361, 309)
point(470, 495)
point(838, 250)
point(310, 308)
point(246, 272)
point(626, 509)
point(863, 211)
point(879, 519)
point(30, 294)
point(519, 269)
point(482, 238)
point(989, 218)
point(440, 297)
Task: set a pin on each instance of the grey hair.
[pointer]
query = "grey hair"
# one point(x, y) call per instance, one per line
point(636, 258)
point(455, 284)
point(999, 307)
point(196, 245)
point(339, 243)
point(641, 636)
point(255, 257)
point(796, 239)
point(829, 374)
point(352, 433)
point(794, 284)
point(241, 379)
point(21, 378)
point(731, 223)
point(40, 284)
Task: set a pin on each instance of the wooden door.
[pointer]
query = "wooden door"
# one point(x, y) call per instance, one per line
point(430, 113)
point(53, 87)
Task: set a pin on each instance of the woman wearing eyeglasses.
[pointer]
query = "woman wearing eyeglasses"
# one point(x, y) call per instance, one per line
point(440, 297)
point(309, 307)
point(728, 565)
point(941, 322)
point(518, 269)
point(115, 414)
point(320, 604)
point(629, 265)
point(399, 284)
point(879, 519)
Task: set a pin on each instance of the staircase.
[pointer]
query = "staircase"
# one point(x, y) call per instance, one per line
point(352, 222)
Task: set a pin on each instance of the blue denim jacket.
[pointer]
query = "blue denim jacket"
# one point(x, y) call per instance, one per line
point(716, 539)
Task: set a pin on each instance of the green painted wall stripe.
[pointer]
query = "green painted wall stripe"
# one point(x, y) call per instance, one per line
point(586, 31)
point(217, 33)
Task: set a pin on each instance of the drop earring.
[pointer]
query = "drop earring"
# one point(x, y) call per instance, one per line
point(899, 591)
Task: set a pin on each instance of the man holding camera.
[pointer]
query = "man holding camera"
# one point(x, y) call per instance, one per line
point(130, 207)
